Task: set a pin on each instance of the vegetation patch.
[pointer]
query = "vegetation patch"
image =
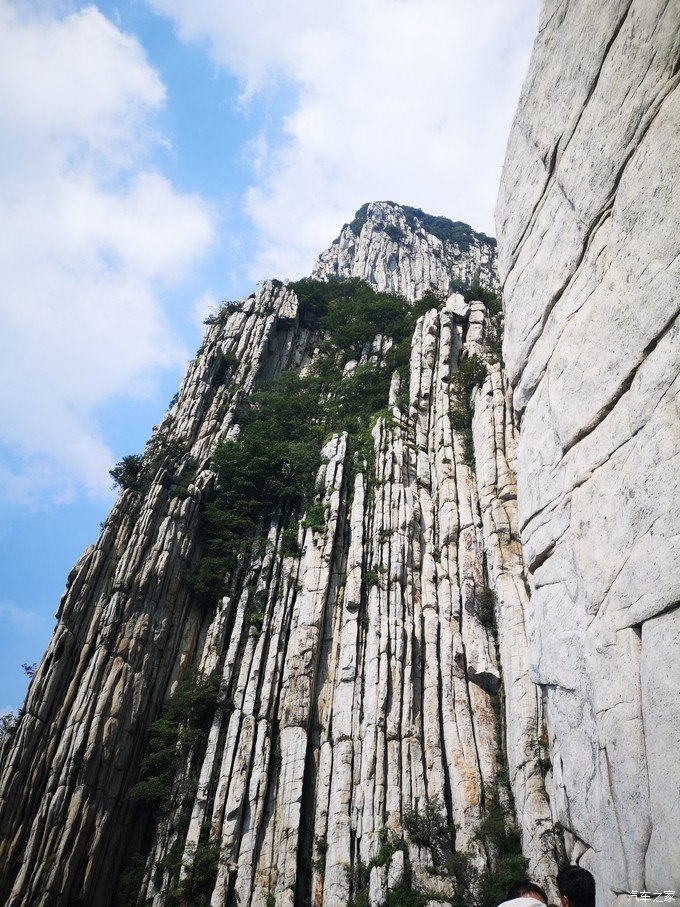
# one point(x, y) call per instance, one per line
point(290, 547)
point(486, 607)
point(226, 365)
point(471, 373)
point(196, 887)
point(428, 828)
point(403, 894)
point(446, 230)
point(271, 466)
point(183, 724)
point(136, 472)
point(443, 228)
point(321, 845)
point(396, 234)
point(360, 219)
point(502, 842)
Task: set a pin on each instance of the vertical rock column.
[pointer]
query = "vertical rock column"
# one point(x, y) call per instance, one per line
point(495, 444)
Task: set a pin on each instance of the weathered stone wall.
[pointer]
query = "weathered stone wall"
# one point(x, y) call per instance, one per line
point(589, 251)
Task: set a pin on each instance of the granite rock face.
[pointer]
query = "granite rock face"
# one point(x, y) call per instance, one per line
point(358, 681)
point(589, 250)
point(402, 250)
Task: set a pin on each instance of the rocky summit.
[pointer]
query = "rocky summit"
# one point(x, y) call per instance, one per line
point(386, 613)
point(403, 250)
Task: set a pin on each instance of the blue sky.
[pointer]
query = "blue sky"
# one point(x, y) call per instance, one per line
point(157, 157)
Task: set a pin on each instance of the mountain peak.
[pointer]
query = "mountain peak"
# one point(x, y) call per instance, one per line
point(400, 249)
point(456, 232)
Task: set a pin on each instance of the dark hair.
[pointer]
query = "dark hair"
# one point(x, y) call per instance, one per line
point(578, 885)
point(525, 887)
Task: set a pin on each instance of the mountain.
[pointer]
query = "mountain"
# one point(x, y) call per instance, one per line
point(276, 678)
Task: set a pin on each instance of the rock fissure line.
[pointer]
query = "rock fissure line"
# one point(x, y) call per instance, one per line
point(622, 390)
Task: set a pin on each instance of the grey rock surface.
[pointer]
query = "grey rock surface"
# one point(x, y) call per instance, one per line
point(589, 249)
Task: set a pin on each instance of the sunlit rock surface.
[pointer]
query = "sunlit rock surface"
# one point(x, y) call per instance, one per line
point(589, 245)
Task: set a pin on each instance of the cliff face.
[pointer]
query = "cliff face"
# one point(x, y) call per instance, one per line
point(589, 261)
point(297, 698)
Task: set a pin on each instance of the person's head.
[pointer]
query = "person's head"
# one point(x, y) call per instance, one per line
point(576, 887)
point(527, 889)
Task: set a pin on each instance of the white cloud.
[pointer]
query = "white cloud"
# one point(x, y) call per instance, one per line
point(90, 235)
point(25, 621)
point(409, 100)
point(207, 304)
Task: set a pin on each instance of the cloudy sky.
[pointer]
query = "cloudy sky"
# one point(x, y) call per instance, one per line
point(157, 156)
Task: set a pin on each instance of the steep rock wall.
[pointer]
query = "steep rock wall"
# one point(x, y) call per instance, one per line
point(589, 249)
point(357, 684)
